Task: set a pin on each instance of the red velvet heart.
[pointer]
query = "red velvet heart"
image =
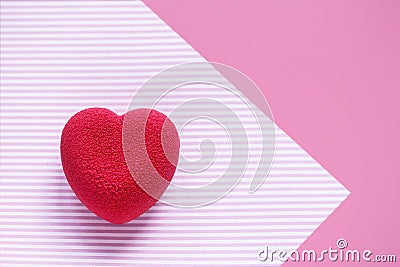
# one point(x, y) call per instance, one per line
point(95, 160)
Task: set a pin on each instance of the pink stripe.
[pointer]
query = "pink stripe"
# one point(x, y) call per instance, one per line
point(42, 204)
point(42, 124)
point(73, 12)
point(82, 57)
point(76, 25)
point(102, 18)
point(316, 196)
point(68, 190)
point(179, 231)
point(72, 90)
point(92, 84)
point(136, 223)
point(285, 175)
point(130, 238)
point(52, 263)
point(42, 262)
point(117, 250)
point(76, 31)
point(185, 149)
point(244, 185)
point(290, 175)
point(58, 204)
point(176, 258)
point(178, 211)
point(74, 109)
point(294, 202)
point(213, 169)
point(297, 195)
point(5, 4)
point(45, 158)
point(31, 184)
point(124, 244)
point(125, 71)
point(192, 183)
point(104, 77)
point(51, 143)
point(54, 63)
point(233, 256)
point(47, 137)
point(41, 149)
point(167, 48)
point(64, 117)
point(92, 38)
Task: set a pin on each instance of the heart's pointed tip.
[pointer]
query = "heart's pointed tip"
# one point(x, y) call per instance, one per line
point(118, 222)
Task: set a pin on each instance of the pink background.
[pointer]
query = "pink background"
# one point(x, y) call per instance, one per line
point(331, 72)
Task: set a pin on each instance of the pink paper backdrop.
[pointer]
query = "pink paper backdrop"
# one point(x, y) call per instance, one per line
point(59, 57)
point(330, 70)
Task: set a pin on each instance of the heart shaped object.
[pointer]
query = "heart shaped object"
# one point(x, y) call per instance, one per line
point(104, 156)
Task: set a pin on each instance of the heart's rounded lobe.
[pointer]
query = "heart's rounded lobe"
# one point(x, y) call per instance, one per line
point(95, 165)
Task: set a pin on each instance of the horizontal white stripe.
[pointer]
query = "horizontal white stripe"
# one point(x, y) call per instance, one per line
point(233, 194)
point(145, 252)
point(49, 3)
point(76, 8)
point(180, 217)
point(166, 208)
point(161, 36)
point(187, 140)
point(22, 132)
point(58, 170)
point(145, 234)
point(71, 248)
point(126, 262)
point(93, 69)
point(80, 16)
point(61, 23)
point(57, 162)
point(132, 27)
point(218, 94)
point(151, 261)
point(244, 200)
point(269, 186)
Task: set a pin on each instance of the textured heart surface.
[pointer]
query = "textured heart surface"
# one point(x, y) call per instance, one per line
point(104, 155)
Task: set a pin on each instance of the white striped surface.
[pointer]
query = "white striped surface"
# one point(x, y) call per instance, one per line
point(60, 57)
